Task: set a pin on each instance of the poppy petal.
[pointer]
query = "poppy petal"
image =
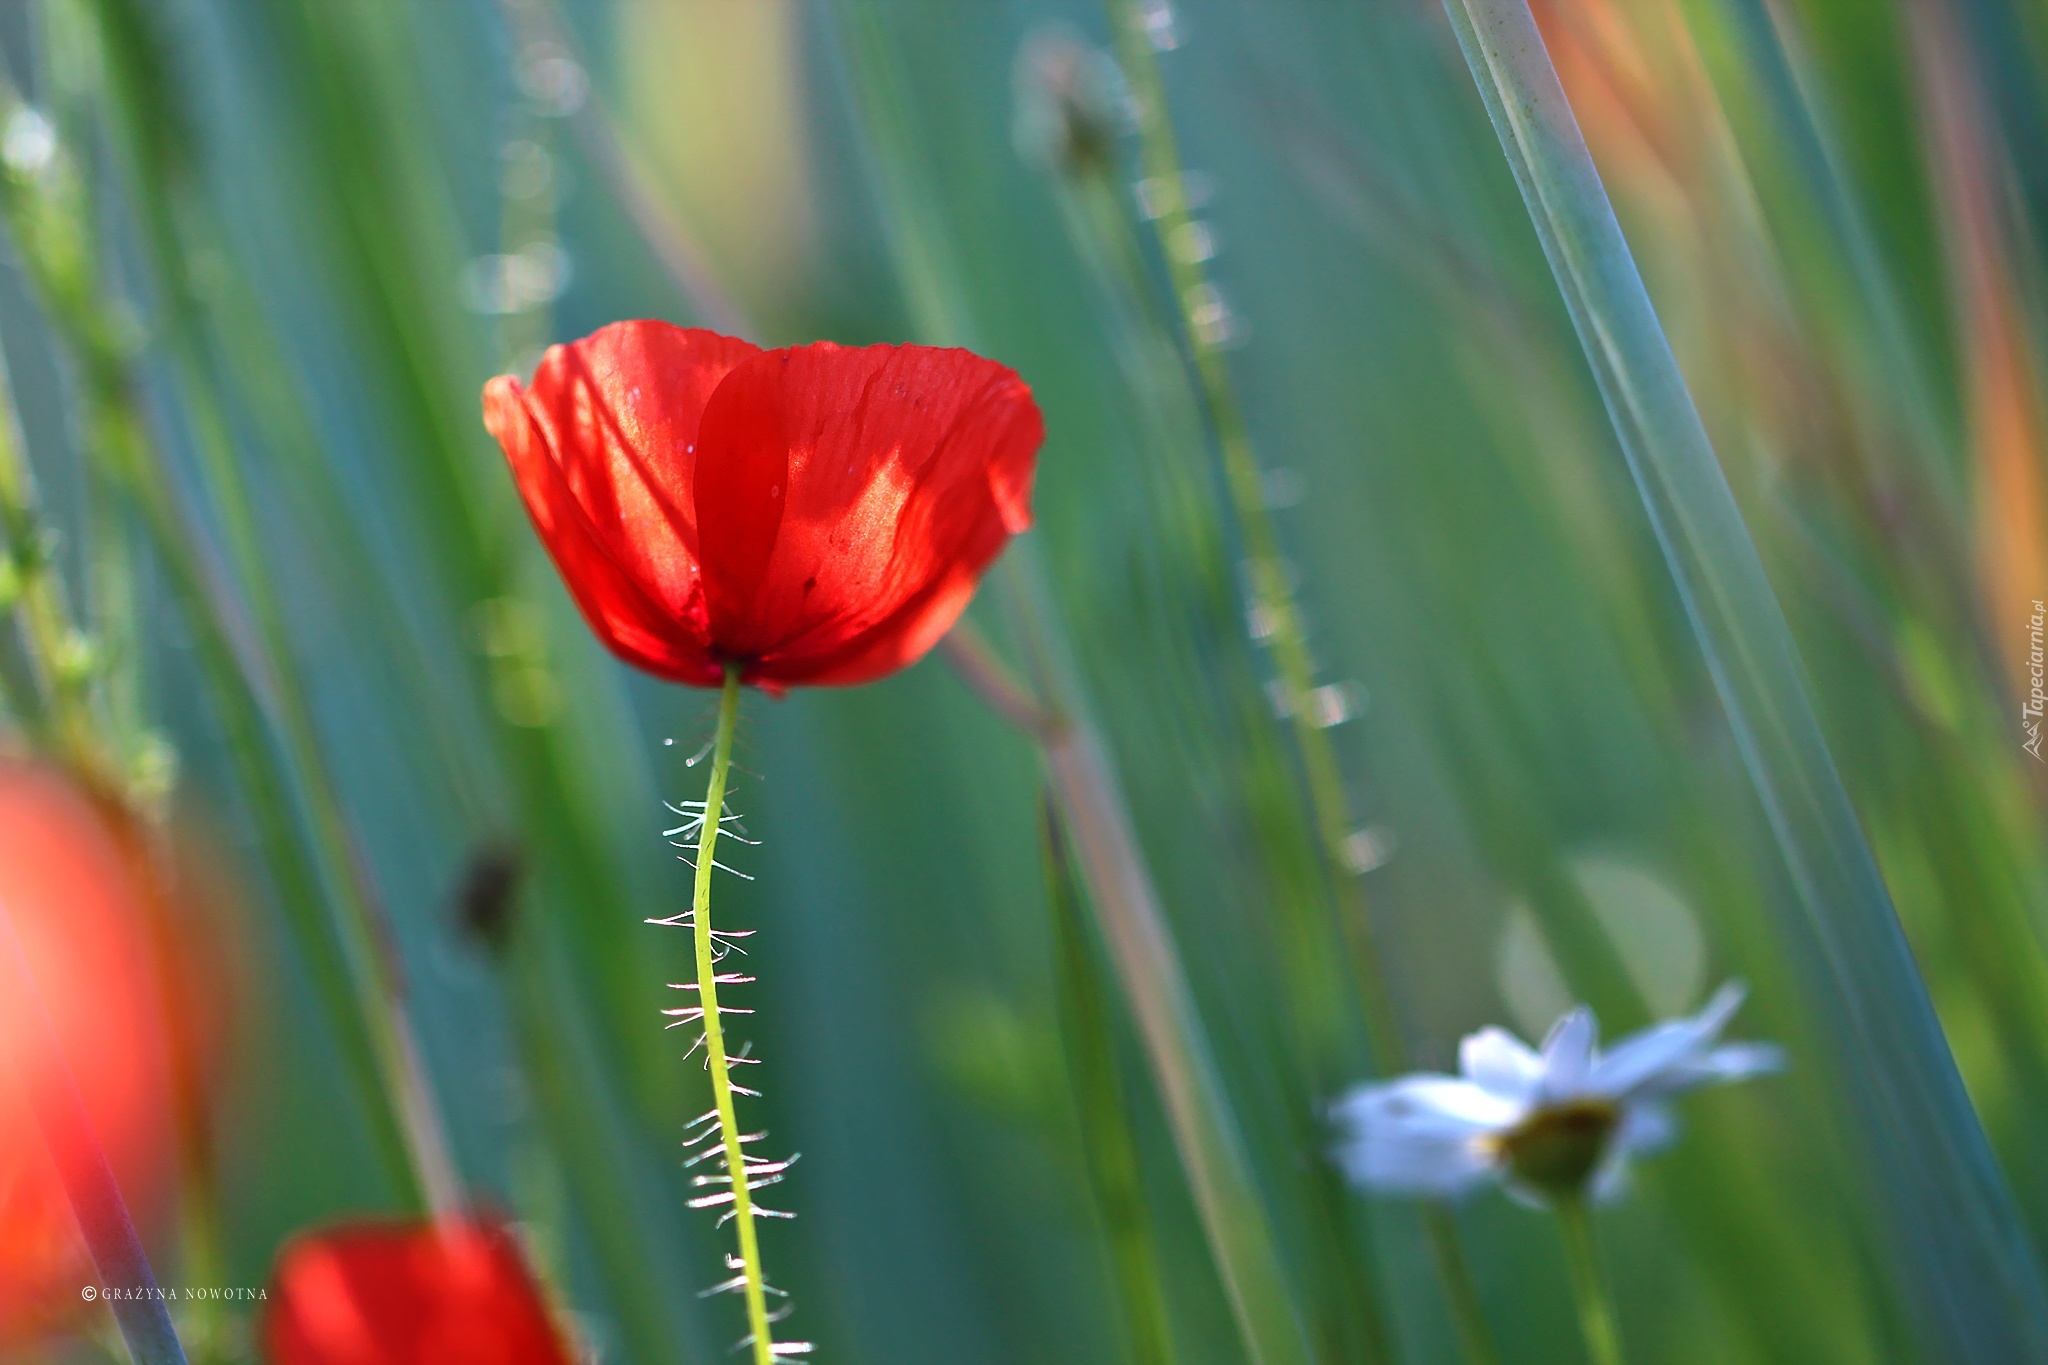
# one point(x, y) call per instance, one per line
point(621, 611)
point(408, 1294)
point(848, 500)
point(907, 636)
point(614, 421)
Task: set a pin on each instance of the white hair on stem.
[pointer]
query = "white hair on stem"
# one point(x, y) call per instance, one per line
point(731, 1172)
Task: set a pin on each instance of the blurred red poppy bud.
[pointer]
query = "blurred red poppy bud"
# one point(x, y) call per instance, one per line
point(818, 515)
point(408, 1293)
point(76, 904)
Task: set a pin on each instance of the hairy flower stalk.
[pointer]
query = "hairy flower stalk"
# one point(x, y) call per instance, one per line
point(814, 516)
point(718, 1132)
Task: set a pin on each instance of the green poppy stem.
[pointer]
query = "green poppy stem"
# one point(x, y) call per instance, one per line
point(1589, 1286)
point(753, 1281)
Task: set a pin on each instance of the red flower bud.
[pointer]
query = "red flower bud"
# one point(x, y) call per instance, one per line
point(407, 1293)
point(815, 515)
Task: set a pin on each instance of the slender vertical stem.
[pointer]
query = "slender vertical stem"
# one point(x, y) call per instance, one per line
point(1461, 1291)
point(1108, 1143)
point(41, 613)
point(714, 1032)
point(117, 1255)
point(1277, 617)
point(1141, 946)
point(1589, 1286)
point(1211, 1146)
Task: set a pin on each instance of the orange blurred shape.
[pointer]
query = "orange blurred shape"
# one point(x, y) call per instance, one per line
point(81, 915)
point(408, 1293)
point(2006, 422)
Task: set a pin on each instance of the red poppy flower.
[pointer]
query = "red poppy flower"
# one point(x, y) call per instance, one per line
point(73, 901)
point(815, 515)
point(408, 1293)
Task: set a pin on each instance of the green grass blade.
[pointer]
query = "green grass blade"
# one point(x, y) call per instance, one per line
point(1957, 1249)
point(47, 217)
point(607, 1173)
point(1150, 971)
point(1109, 1145)
point(1155, 985)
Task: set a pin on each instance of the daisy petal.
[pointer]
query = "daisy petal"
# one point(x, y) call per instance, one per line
point(1672, 1057)
point(1420, 1134)
point(1720, 1008)
point(1611, 1181)
point(1732, 1062)
point(1638, 1060)
point(1498, 1061)
point(1429, 1102)
point(1645, 1128)
point(1740, 1061)
point(1568, 1054)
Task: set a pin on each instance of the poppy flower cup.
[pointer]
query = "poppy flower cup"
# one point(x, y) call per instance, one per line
point(818, 515)
point(408, 1293)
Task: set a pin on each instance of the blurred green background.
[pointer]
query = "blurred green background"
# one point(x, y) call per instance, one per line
point(263, 256)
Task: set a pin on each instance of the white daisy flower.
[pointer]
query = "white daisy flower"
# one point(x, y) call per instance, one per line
point(1546, 1123)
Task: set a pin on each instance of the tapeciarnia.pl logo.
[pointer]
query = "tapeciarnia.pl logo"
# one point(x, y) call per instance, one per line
point(2037, 668)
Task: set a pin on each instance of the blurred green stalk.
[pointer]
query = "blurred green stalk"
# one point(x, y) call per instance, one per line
point(1190, 1085)
point(354, 103)
point(1274, 611)
point(580, 1117)
point(1589, 1283)
point(57, 701)
point(83, 734)
point(1134, 927)
point(1958, 1253)
point(1896, 370)
point(1109, 1147)
point(47, 212)
point(623, 165)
